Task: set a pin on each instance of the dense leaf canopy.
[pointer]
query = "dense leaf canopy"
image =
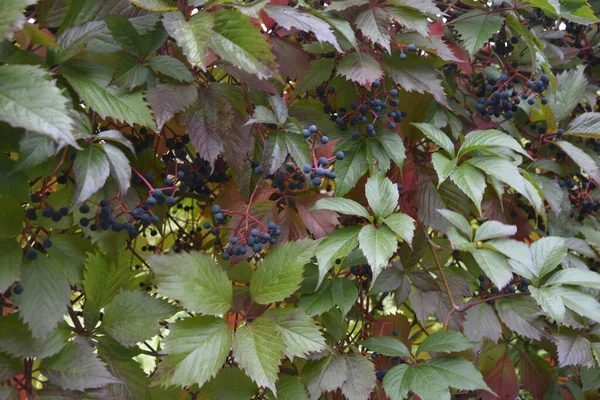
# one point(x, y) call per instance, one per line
point(294, 199)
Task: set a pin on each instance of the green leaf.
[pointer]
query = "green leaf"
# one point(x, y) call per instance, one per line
point(345, 294)
point(279, 107)
point(427, 383)
point(570, 88)
point(521, 315)
point(436, 135)
point(387, 346)
point(403, 225)
point(41, 278)
point(90, 80)
point(171, 67)
point(415, 76)
point(300, 334)
point(132, 317)
point(458, 220)
point(471, 181)
point(76, 367)
point(476, 29)
point(154, 5)
point(336, 245)
point(360, 67)
point(125, 34)
point(481, 323)
point(585, 162)
point(30, 99)
point(12, 216)
point(327, 374)
point(320, 71)
point(230, 384)
point(443, 166)
point(445, 342)
point(197, 347)
point(192, 36)
point(288, 18)
point(575, 276)
point(195, 280)
point(262, 115)
point(382, 195)
point(17, 340)
point(10, 259)
point(130, 73)
point(68, 252)
point(239, 42)
point(120, 169)
point(351, 168)
point(91, 169)
point(12, 18)
point(585, 125)
point(393, 145)
point(458, 373)
point(298, 148)
point(493, 230)
point(9, 367)
point(373, 23)
point(397, 382)
point(318, 302)
point(167, 100)
point(547, 253)
point(410, 18)
point(550, 301)
point(494, 265)
point(581, 303)
point(290, 388)
point(34, 149)
point(279, 274)
point(485, 139)
point(258, 349)
point(102, 280)
point(360, 377)
point(590, 378)
point(342, 205)
point(378, 245)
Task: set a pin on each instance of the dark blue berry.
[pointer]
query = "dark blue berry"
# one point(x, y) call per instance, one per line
point(324, 139)
point(84, 209)
point(339, 155)
point(32, 254)
point(323, 161)
point(219, 217)
point(151, 201)
point(216, 209)
point(402, 56)
point(313, 128)
point(18, 289)
point(411, 47)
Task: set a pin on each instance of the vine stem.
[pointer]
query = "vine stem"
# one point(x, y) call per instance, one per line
point(480, 301)
point(440, 269)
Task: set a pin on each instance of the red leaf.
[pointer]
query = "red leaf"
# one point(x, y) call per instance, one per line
point(461, 53)
point(535, 373)
point(292, 226)
point(436, 29)
point(503, 380)
point(318, 222)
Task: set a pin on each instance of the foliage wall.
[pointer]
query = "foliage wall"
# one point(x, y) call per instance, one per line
point(361, 199)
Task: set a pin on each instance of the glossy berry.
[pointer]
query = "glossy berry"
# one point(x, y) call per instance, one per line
point(394, 92)
point(18, 289)
point(151, 201)
point(381, 373)
point(339, 155)
point(305, 133)
point(316, 181)
point(47, 243)
point(84, 209)
point(254, 232)
point(216, 209)
point(219, 217)
point(32, 254)
point(324, 139)
point(395, 332)
point(411, 48)
point(376, 83)
point(323, 161)
point(312, 128)
point(402, 56)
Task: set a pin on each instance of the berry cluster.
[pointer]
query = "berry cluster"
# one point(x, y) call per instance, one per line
point(321, 171)
point(487, 289)
point(254, 240)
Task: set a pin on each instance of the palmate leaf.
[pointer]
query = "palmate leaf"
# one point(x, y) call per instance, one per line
point(337, 244)
point(351, 168)
point(382, 195)
point(120, 169)
point(167, 100)
point(581, 158)
point(360, 67)
point(342, 206)
point(374, 24)
point(360, 377)
point(569, 92)
point(327, 374)
point(471, 181)
point(378, 245)
point(585, 125)
point(30, 100)
point(476, 29)
point(192, 36)
point(91, 169)
point(445, 342)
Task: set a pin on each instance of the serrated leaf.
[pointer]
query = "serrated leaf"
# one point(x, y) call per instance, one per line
point(574, 276)
point(279, 274)
point(34, 149)
point(327, 374)
point(585, 125)
point(521, 315)
point(476, 29)
point(258, 349)
point(91, 168)
point(471, 181)
point(581, 303)
point(387, 346)
point(120, 169)
point(289, 17)
point(574, 350)
point(481, 323)
point(132, 317)
point(319, 71)
point(192, 36)
point(570, 88)
point(10, 259)
point(590, 378)
point(130, 73)
point(345, 294)
point(300, 334)
point(374, 24)
point(167, 100)
point(458, 373)
point(197, 347)
point(550, 301)
point(403, 225)
point(582, 159)
point(91, 80)
point(279, 107)
point(343, 206)
point(382, 195)
point(493, 230)
point(171, 67)
point(360, 377)
point(412, 19)
point(444, 342)
point(12, 18)
point(229, 384)
point(195, 280)
point(494, 265)
point(393, 145)
point(351, 168)
point(378, 245)
point(239, 42)
point(124, 33)
point(436, 135)
point(115, 136)
point(41, 278)
point(413, 76)
point(397, 382)
point(483, 139)
point(458, 220)
point(337, 244)
point(30, 100)
point(290, 388)
point(76, 367)
point(547, 254)
point(443, 166)
point(154, 5)
point(17, 340)
point(360, 67)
